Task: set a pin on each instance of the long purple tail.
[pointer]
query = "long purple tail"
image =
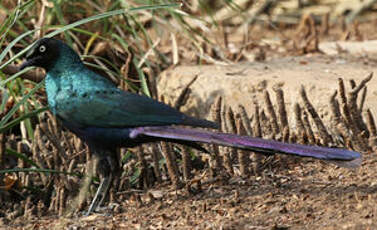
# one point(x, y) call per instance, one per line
point(341, 157)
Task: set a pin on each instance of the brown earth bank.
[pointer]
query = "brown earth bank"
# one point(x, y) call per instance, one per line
point(244, 84)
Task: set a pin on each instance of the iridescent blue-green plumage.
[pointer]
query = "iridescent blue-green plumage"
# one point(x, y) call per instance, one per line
point(106, 117)
point(82, 99)
point(87, 99)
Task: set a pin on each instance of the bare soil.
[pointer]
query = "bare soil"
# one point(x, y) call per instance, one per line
point(304, 195)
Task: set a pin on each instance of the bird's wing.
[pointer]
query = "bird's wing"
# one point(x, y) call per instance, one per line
point(117, 108)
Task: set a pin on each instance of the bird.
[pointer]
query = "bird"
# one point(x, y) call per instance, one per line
point(106, 117)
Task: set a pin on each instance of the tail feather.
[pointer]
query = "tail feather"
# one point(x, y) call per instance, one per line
point(340, 156)
point(348, 164)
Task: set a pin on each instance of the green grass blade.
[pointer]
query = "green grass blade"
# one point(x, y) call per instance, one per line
point(80, 22)
point(11, 20)
point(16, 121)
point(39, 170)
point(106, 15)
point(7, 49)
point(21, 156)
point(11, 78)
point(4, 99)
point(143, 81)
point(15, 107)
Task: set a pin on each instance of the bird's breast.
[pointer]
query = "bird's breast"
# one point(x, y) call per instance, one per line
point(52, 89)
point(61, 96)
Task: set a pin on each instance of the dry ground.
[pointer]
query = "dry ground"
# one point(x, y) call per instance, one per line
point(307, 195)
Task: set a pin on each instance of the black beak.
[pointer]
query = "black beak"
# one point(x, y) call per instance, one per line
point(30, 59)
point(27, 63)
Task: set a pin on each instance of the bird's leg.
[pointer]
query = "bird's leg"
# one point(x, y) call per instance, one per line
point(106, 186)
point(106, 167)
point(100, 194)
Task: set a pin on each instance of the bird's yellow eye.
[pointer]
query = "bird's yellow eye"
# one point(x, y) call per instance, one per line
point(42, 48)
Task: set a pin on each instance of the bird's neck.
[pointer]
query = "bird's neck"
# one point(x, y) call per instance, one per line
point(66, 61)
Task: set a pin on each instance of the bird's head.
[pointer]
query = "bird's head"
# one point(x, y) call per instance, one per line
point(47, 52)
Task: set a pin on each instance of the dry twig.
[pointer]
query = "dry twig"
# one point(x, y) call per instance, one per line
point(271, 113)
point(317, 120)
